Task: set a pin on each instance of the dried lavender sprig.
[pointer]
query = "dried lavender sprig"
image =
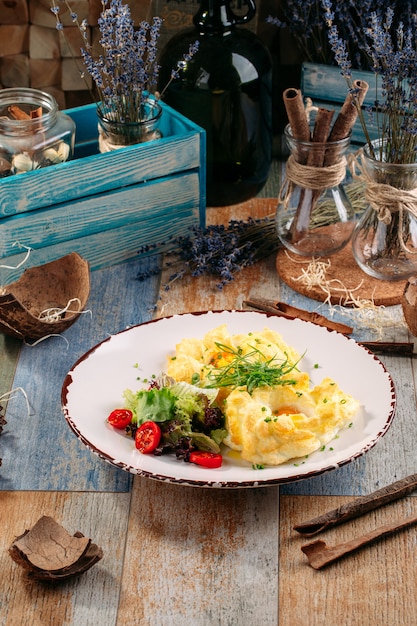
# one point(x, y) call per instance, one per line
point(126, 71)
point(217, 250)
point(304, 20)
point(392, 49)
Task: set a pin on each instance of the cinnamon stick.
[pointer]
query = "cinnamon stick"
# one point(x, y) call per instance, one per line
point(17, 113)
point(349, 111)
point(297, 118)
point(316, 158)
point(36, 113)
point(319, 555)
point(358, 506)
point(288, 311)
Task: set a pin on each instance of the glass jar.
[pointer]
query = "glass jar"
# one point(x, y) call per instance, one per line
point(314, 215)
point(33, 132)
point(226, 88)
point(115, 134)
point(384, 242)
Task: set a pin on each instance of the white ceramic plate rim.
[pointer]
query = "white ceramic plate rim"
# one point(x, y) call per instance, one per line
point(94, 386)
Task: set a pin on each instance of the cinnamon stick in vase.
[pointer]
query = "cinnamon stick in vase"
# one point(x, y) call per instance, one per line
point(297, 118)
point(349, 112)
point(316, 158)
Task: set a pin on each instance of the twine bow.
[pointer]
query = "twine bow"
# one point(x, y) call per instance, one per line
point(311, 177)
point(383, 198)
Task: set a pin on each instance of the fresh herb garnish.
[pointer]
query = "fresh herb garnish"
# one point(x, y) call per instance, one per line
point(252, 370)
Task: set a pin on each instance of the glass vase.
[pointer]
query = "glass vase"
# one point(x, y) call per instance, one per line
point(33, 132)
point(384, 242)
point(314, 216)
point(115, 133)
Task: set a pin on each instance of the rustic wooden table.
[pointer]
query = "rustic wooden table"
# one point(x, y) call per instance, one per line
point(177, 555)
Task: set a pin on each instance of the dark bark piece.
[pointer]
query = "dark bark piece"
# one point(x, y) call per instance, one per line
point(358, 506)
point(49, 552)
point(319, 554)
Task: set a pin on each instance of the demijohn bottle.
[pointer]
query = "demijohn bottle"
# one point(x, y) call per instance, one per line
point(226, 89)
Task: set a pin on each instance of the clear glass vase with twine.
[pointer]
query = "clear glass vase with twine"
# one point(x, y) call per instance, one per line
point(117, 133)
point(314, 216)
point(384, 242)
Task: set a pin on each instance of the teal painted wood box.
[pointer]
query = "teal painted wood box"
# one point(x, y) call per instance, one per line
point(106, 206)
point(327, 88)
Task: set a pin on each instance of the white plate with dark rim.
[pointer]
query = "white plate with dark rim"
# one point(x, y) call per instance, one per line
point(95, 384)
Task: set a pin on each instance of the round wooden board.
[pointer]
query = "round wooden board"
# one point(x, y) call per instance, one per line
point(345, 270)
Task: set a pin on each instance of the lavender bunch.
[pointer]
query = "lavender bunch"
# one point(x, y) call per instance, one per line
point(392, 49)
point(126, 71)
point(219, 251)
point(305, 21)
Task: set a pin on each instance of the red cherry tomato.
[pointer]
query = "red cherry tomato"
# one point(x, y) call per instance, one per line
point(120, 418)
point(147, 437)
point(206, 459)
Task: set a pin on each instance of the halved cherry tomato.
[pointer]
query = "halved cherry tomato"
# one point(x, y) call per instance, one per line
point(206, 459)
point(147, 437)
point(120, 418)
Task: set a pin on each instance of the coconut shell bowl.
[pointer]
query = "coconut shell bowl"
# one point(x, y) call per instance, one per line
point(46, 299)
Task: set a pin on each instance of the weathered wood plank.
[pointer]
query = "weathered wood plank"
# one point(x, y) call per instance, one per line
point(201, 293)
point(39, 451)
point(110, 247)
point(200, 556)
point(374, 586)
point(132, 208)
point(88, 600)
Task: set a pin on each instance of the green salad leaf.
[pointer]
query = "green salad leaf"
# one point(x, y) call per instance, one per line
point(183, 411)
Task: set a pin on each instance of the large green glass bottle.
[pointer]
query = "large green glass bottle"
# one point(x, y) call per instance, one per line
point(226, 89)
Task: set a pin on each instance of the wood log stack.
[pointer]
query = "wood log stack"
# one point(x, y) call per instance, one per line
point(34, 54)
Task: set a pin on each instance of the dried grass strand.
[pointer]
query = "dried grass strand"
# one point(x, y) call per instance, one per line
point(22, 262)
point(9, 395)
point(54, 314)
point(368, 315)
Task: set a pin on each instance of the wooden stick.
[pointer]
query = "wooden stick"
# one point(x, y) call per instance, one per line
point(291, 312)
point(358, 506)
point(319, 555)
point(389, 347)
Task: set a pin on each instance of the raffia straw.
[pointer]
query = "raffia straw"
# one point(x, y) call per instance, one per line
point(374, 318)
point(15, 267)
point(54, 314)
point(35, 343)
point(8, 395)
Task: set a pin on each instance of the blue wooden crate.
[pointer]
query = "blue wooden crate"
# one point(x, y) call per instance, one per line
point(327, 88)
point(106, 206)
